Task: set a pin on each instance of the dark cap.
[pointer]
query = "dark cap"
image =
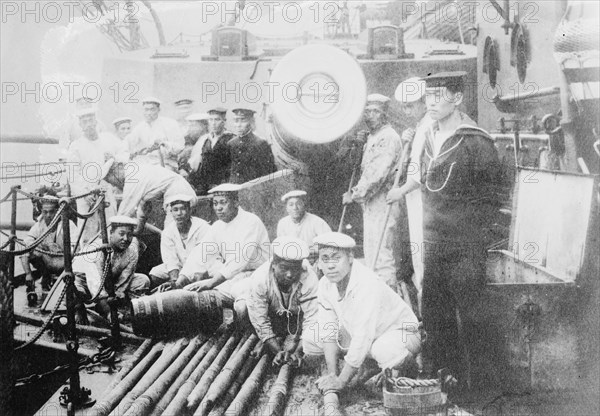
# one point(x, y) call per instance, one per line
point(454, 80)
point(217, 110)
point(246, 112)
point(184, 101)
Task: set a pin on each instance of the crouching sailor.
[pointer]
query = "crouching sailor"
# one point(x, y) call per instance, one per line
point(234, 246)
point(122, 260)
point(360, 317)
point(282, 302)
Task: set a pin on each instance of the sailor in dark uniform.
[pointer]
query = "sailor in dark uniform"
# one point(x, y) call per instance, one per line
point(211, 156)
point(459, 175)
point(251, 156)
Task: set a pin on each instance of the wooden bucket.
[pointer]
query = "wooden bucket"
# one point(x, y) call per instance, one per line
point(414, 401)
point(176, 312)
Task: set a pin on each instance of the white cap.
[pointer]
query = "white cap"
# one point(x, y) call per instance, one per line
point(336, 240)
point(410, 90)
point(85, 111)
point(293, 194)
point(120, 120)
point(225, 188)
point(122, 220)
point(290, 248)
point(377, 101)
point(178, 197)
point(152, 100)
point(197, 117)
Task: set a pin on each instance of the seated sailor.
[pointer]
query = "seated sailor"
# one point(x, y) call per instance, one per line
point(360, 317)
point(299, 223)
point(121, 277)
point(177, 241)
point(234, 246)
point(47, 265)
point(282, 302)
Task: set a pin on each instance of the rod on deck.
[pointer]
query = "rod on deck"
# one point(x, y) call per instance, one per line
point(13, 231)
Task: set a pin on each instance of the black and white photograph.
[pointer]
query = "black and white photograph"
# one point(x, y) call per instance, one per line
point(300, 208)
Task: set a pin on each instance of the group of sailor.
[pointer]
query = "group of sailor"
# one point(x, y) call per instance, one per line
point(354, 309)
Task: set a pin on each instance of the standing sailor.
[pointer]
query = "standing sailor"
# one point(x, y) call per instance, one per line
point(184, 108)
point(197, 126)
point(251, 156)
point(157, 140)
point(210, 161)
point(87, 155)
point(460, 170)
point(380, 159)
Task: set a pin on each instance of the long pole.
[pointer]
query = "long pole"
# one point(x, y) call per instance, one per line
point(74, 396)
point(13, 232)
point(356, 162)
point(109, 283)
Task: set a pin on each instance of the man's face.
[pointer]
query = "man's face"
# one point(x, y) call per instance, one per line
point(49, 210)
point(151, 111)
point(225, 208)
point(197, 127)
point(121, 237)
point(335, 263)
point(241, 125)
point(374, 118)
point(216, 123)
point(441, 103)
point(414, 111)
point(296, 208)
point(181, 212)
point(123, 130)
point(88, 125)
point(184, 110)
point(287, 273)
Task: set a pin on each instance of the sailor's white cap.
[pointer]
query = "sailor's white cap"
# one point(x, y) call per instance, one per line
point(377, 101)
point(106, 168)
point(120, 120)
point(410, 90)
point(151, 100)
point(293, 194)
point(336, 240)
point(178, 198)
point(290, 248)
point(197, 117)
point(85, 111)
point(225, 188)
point(122, 220)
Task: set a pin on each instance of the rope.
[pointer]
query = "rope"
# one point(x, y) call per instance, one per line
point(107, 267)
point(27, 165)
point(47, 323)
point(33, 175)
point(409, 382)
point(8, 195)
point(36, 197)
point(92, 211)
point(37, 242)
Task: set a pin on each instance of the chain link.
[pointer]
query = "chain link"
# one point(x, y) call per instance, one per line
point(107, 269)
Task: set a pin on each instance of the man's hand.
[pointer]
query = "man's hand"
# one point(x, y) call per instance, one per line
point(165, 287)
point(347, 198)
point(330, 382)
point(198, 286)
point(394, 195)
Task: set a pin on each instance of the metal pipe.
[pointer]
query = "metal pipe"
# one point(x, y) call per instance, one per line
point(56, 346)
point(130, 365)
point(506, 103)
point(19, 225)
point(13, 232)
point(27, 139)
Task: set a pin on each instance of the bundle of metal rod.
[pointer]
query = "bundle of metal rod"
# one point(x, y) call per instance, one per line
point(224, 379)
point(168, 355)
point(130, 364)
point(277, 397)
point(230, 349)
point(331, 403)
point(144, 403)
point(104, 407)
point(179, 402)
point(188, 370)
point(249, 389)
point(222, 403)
